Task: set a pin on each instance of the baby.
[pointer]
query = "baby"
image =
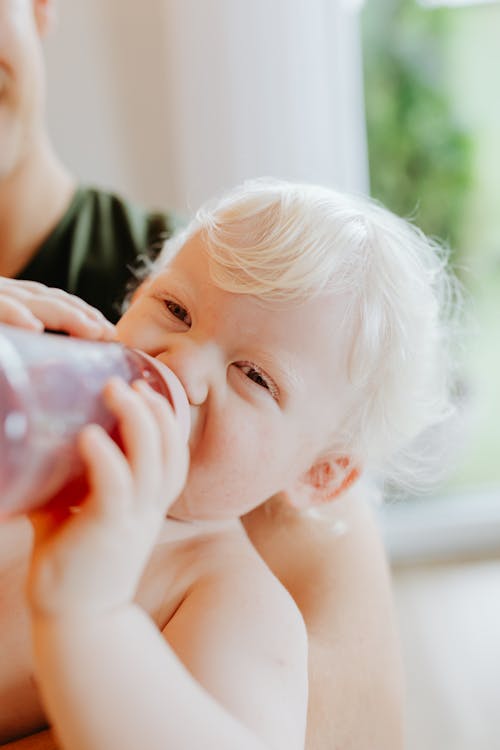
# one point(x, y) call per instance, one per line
point(307, 329)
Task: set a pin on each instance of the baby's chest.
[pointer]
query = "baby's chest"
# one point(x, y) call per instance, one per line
point(165, 584)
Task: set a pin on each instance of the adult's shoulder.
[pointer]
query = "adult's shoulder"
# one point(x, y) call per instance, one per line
point(139, 226)
point(94, 248)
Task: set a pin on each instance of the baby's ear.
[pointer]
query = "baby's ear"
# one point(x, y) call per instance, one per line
point(327, 478)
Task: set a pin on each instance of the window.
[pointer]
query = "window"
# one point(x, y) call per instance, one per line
point(433, 125)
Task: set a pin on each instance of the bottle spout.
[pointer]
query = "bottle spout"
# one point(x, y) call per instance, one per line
point(178, 397)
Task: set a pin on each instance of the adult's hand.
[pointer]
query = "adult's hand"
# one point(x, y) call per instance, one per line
point(34, 306)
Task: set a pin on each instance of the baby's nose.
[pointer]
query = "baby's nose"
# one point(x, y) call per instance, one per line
point(196, 366)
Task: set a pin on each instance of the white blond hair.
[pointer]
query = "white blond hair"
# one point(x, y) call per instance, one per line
point(285, 241)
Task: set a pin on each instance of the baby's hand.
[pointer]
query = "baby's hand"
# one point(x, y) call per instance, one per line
point(91, 561)
point(35, 306)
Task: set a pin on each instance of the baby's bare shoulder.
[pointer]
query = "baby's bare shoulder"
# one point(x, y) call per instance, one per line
point(233, 578)
point(240, 634)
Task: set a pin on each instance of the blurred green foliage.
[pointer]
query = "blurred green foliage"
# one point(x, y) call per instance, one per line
point(420, 156)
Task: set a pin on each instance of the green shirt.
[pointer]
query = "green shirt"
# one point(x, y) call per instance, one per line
point(97, 242)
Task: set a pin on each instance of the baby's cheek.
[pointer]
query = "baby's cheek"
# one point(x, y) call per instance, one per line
point(127, 332)
point(238, 451)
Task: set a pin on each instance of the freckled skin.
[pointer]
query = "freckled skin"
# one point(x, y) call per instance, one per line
point(248, 445)
point(352, 656)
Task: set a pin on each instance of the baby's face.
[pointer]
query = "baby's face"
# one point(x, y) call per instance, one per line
point(266, 381)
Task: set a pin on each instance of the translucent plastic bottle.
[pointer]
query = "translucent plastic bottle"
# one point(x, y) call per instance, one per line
point(50, 387)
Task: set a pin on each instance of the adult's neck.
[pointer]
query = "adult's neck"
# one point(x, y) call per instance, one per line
point(33, 199)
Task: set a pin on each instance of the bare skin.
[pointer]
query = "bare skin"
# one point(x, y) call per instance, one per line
point(186, 555)
point(339, 578)
point(348, 614)
point(319, 568)
point(353, 649)
point(32, 200)
point(35, 187)
point(354, 662)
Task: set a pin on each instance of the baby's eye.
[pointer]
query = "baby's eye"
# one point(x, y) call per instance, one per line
point(254, 375)
point(178, 311)
point(259, 378)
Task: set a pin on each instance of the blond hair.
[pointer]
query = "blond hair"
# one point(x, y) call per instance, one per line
point(284, 241)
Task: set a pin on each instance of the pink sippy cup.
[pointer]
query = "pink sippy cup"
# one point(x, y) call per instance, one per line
point(50, 387)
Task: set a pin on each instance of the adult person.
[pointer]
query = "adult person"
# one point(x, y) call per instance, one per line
point(62, 235)
point(51, 229)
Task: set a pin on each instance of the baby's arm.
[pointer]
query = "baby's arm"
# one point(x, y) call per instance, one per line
point(112, 683)
point(240, 634)
point(109, 679)
point(34, 306)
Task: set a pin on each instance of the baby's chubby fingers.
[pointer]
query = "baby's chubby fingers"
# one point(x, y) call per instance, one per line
point(174, 449)
point(140, 436)
point(152, 441)
point(108, 472)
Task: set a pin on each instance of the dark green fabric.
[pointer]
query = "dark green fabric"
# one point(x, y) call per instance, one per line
point(94, 246)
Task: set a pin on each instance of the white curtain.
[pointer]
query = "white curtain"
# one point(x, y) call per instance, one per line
point(183, 98)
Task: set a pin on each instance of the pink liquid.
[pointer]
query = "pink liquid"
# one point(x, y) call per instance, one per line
point(50, 387)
